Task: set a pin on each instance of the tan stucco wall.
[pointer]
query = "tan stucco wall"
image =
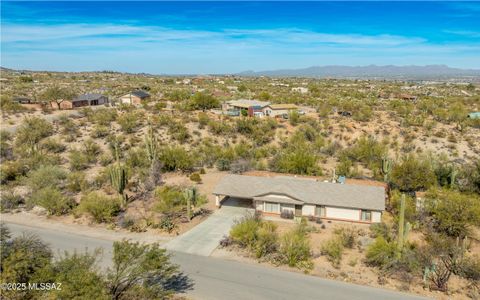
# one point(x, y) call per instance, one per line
point(343, 213)
point(308, 210)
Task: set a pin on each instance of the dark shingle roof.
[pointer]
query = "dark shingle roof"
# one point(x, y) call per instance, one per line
point(306, 190)
point(88, 97)
point(140, 94)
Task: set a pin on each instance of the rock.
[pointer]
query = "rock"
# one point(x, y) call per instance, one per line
point(38, 210)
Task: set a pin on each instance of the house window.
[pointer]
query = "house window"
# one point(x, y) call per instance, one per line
point(320, 211)
point(366, 215)
point(272, 207)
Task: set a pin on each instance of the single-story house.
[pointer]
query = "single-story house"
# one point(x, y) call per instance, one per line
point(135, 97)
point(305, 197)
point(83, 100)
point(274, 110)
point(474, 115)
point(251, 107)
point(244, 104)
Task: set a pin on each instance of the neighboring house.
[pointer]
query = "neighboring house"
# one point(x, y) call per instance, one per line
point(251, 107)
point(135, 97)
point(276, 110)
point(83, 100)
point(305, 197)
point(474, 115)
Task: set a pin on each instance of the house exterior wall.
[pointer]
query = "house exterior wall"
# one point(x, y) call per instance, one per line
point(268, 111)
point(308, 210)
point(334, 213)
point(289, 207)
point(131, 99)
point(343, 213)
point(376, 217)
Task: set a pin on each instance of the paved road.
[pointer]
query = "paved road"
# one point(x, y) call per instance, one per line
point(214, 278)
point(204, 238)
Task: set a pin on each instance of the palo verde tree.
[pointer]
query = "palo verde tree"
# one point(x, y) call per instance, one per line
point(57, 94)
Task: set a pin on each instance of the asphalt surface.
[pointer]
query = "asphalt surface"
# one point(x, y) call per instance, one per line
point(204, 238)
point(212, 278)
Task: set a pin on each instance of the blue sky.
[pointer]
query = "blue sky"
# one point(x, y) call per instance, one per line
point(228, 37)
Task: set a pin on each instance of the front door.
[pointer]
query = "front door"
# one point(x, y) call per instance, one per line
point(298, 210)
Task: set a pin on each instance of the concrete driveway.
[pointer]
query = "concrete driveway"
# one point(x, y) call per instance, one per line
point(204, 238)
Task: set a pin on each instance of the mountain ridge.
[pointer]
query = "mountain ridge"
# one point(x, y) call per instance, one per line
point(369, 71)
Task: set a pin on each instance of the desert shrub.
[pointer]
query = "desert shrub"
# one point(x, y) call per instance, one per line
point(244, 231)
point(196, 177)
point(176, 158)
point(102, 116)
point(240, 166)
point(31, 132)
point(76, 181)
point(129, 121)
point(203, 120)
point(347, 236)
point(78, 160)
point(413, 174)
point(287, 214)
point(267, 239)
point(381, 253)
point(100, 207)
point(52, 200)
point(296, 160)
point(105, 159)
point(9, 200)
point(179, 132)
point(46, 176)
point(333, 249)
point(100, 131)
point(166, 223)
point(223, 164)
point(381, 230)
point(454, 213)
point(12, 170)
point(470, 269)
point(168, 199)
point(53, 145)
point(203, 101)
point(218, 128)
point(294, 249)
point(91, 150)
point(293, 118)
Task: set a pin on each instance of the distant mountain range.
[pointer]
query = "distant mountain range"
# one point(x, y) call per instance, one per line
point(371, 71)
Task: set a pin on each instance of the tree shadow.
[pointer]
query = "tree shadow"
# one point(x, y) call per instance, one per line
point(179, 283)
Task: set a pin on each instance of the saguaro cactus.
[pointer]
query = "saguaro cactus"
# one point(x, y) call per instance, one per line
point(118, 180)
point(403, 228)
point(152, 146)
point(191, 196)
point(453, 177)
point(386, 168)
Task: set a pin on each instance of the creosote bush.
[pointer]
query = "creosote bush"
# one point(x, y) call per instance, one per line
point(100, 207)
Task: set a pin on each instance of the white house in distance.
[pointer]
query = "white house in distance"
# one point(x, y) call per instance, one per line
point(305, 197)
point(301, 90)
